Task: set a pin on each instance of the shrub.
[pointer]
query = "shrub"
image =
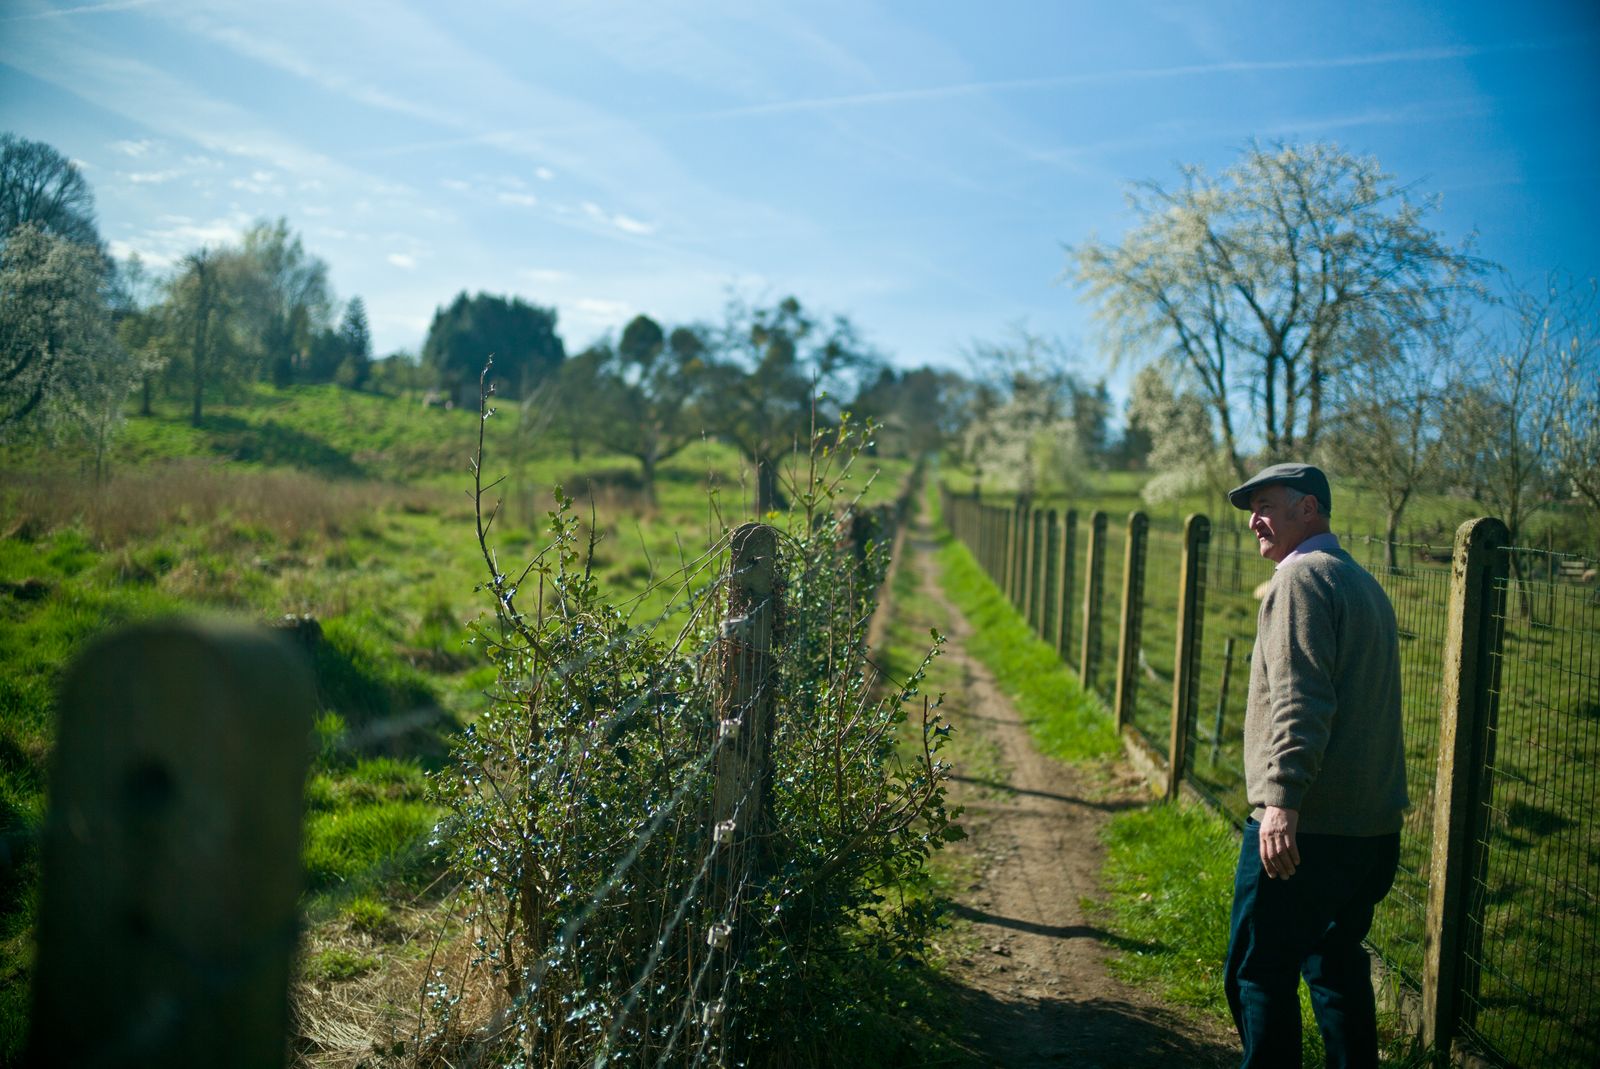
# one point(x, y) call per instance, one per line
point(613, 920)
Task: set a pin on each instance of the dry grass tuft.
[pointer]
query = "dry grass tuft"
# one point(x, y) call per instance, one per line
point(377, 1019)
point(139, 504)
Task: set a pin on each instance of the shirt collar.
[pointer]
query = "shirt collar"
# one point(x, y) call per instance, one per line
point(1327, 541)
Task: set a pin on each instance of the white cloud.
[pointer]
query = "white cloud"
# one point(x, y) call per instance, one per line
point(598, 313)
point(259, 183)
point(544, 174)
point(521, 200)
point(545, 275)
point(135, 149)
point(126, 250)
point(403, 261)
point(632, 226)
point(153, 177)
point(455, 185)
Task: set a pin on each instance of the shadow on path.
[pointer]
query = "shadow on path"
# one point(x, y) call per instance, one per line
point(1096, 1033)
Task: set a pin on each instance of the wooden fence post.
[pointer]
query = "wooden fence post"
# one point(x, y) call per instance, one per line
point(1052, 568)
point(1093, 588)
point(1454, 925)
point(1025, 573)
point(1037, 555)
point(171, 853)
point(745, 698)
point(1019, 536)
point(1185, 673)
point(1069, 551)
point(1132, 619)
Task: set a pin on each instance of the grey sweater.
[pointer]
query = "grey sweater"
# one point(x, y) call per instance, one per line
point(1322, 732)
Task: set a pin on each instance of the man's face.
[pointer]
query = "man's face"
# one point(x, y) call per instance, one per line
point(1279, 526)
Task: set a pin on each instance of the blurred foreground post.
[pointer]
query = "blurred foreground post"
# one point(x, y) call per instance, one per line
point(172, 851)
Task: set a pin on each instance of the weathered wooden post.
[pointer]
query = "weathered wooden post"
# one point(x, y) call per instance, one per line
point(1186, 674)
point(745, 698)
point(171, 875)
point(1019, 544)
point(1069, 551)
point(1026, 570)
point(1093, 589)
point(1037, 555)
point(1454, 925)
point(1132, 619)
point(1052, 568)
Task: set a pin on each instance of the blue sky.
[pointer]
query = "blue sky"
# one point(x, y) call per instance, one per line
point(917, 166)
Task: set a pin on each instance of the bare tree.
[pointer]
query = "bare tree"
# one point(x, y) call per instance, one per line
point(38, 185)
point(1250, 282)
point(1389, 411)
point(1502, 425)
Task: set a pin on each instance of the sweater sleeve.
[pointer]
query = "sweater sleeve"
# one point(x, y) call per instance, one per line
point(1299, 631)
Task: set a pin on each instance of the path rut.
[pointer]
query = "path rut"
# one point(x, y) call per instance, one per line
point(1032, 980)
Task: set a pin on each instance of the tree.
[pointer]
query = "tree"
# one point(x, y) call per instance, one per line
point(207, 322)
point(135, 311)
point(286, 291)
point(1176, 422)
point(1025, 437)
point(1251, 281)
point(55, 334)
point(520, 336)
point(651, 384)
point(355, 339)
point(1578, 429)
point(38, 185)
point(1390, 407)
point(918, 411)
point(780, 375)
point(1502, 424)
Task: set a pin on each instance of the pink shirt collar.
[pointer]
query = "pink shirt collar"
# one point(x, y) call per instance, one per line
point(1315, 544)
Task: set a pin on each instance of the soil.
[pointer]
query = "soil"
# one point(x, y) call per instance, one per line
point(1031, 971)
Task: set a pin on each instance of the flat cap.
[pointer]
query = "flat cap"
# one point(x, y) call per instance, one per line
point(1306, 478)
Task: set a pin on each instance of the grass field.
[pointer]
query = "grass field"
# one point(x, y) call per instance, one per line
point(349, 508)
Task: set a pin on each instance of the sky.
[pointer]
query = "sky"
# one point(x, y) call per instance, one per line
point(919, 166)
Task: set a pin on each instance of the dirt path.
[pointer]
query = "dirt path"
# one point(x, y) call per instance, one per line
point(1032, 976)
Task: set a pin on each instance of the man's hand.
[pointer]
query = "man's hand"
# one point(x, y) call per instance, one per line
point(1280, 854)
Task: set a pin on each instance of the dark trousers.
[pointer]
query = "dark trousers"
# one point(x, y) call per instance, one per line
point(1309, 925)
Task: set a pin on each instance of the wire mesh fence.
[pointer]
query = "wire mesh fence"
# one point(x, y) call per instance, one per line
point(1529, 994)
point(1534, 995)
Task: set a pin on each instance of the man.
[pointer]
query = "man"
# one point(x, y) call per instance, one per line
point(1325, 773)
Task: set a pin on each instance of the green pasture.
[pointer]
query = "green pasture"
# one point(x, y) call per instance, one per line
point(355, 510)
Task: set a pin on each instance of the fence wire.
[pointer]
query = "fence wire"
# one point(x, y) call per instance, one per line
point(1537, 958)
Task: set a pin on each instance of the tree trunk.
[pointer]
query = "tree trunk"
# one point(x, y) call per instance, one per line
point(769, 496)
point(647, 466)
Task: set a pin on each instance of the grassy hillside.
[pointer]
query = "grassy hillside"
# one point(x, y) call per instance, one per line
point(354, 510)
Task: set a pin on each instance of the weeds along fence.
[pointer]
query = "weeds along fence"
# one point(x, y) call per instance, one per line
point(665, 835)
point(1491, 936)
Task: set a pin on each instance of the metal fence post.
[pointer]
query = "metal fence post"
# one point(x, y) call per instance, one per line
point(1454, 926)
point(1185, 674)
point(1069, 551)
point(171, 882)
point(1093, 588)
point(1132, 619)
